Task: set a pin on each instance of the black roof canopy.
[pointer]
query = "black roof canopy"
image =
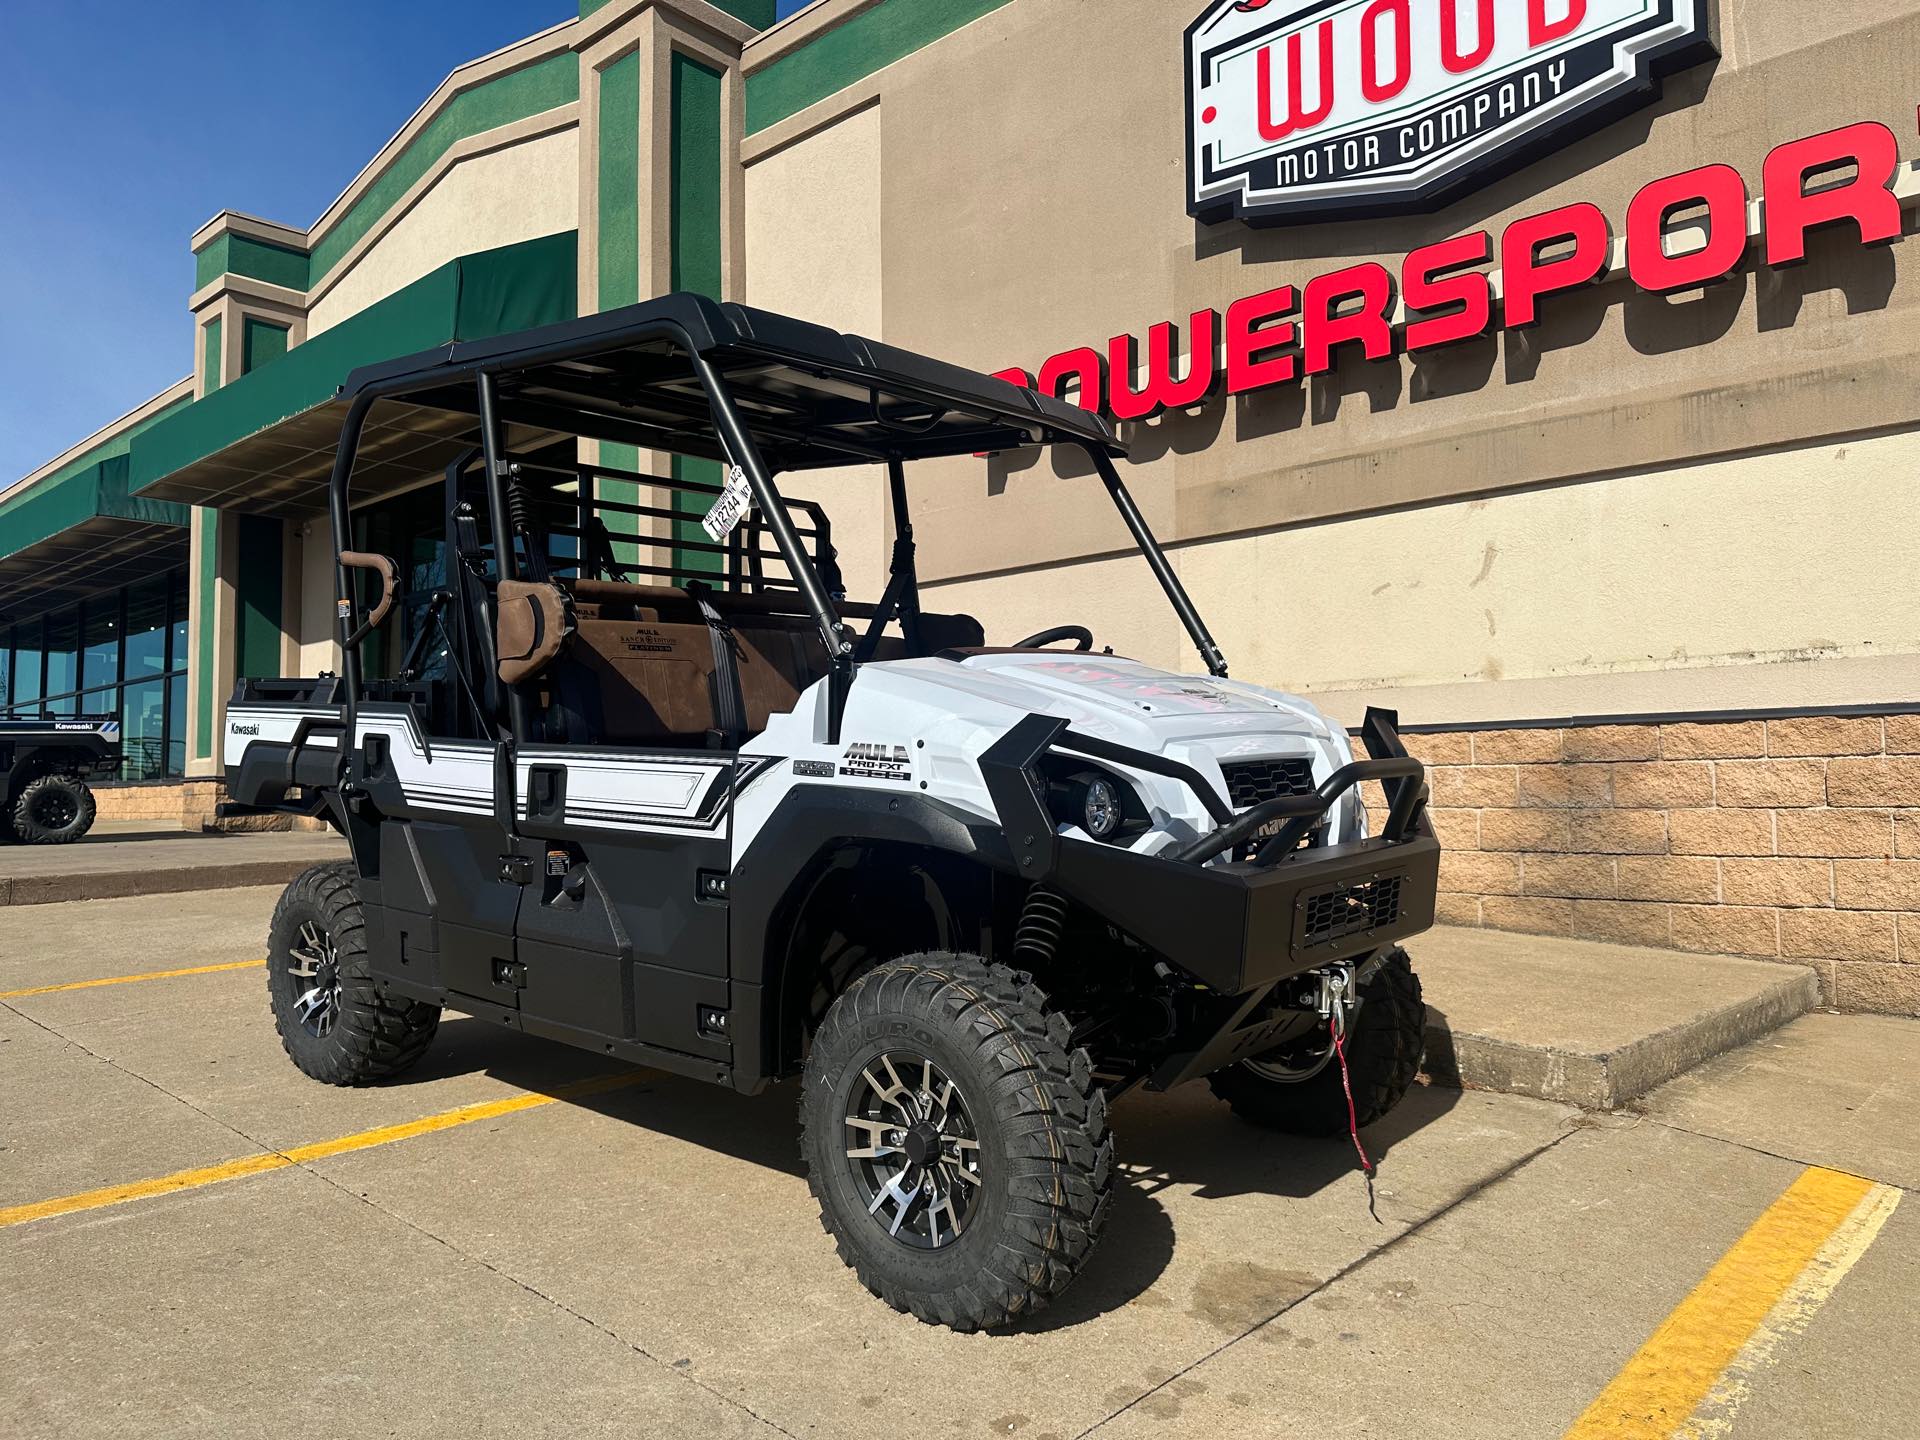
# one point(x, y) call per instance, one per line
point(810, 397)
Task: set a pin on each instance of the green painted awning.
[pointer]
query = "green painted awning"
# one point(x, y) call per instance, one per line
point(265, 442)
point(83, 533)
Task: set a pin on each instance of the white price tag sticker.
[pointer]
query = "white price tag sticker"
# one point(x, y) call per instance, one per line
point(731, 508)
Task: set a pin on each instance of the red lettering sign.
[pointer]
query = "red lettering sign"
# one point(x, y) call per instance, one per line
point(1435, 276)
point(1724, 194)
point(1162, 390)
point(1370, 325)
point(1865, 200)
point(1528, 277)
point(1255, 357)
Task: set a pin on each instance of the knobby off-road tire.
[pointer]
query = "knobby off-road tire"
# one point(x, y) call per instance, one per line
point(332, 1021)
point(972, 1050)
point(1384, 1048)
point(52, 810)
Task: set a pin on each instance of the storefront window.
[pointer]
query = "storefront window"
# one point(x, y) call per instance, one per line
point(63, 655)
point(26, 663)
point(177, 721)
point(177, 646)
point(147, 629)
point(74, 662)
point(100, 642)
point(143, 730)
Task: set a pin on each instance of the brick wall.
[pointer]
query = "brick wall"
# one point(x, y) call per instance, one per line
point(188, 804)
point(1792, 839)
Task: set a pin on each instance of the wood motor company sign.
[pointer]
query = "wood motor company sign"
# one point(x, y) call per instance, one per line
point(1327, 109)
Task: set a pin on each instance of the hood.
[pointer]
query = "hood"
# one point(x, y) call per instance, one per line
point(1119, 700)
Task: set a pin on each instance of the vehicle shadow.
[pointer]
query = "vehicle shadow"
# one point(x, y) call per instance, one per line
point(1183, 1139)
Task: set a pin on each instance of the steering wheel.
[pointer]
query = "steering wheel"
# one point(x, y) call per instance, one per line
point(1077, 633)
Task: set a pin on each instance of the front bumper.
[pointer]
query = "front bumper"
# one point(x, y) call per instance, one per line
point(1238, 927)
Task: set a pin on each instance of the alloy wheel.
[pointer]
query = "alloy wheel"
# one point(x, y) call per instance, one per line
point(314, 963)
point(53, 810)
point(913, 1150)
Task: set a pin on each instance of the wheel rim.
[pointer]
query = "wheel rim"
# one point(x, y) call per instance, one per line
point(314, 964)
point(55, 810)
point(913, 1150)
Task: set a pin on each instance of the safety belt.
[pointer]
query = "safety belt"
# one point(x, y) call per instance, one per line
point(728, 706)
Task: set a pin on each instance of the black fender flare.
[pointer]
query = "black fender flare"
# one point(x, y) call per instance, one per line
point(811, 821)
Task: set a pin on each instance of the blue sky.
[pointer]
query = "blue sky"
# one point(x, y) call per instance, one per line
point(108, 166)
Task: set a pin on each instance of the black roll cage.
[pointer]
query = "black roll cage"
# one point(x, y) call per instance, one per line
point(483, 364)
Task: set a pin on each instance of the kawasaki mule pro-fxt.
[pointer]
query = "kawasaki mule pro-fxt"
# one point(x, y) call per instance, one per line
point(676, 801)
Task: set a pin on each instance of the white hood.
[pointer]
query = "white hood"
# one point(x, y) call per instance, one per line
point(1121, 700)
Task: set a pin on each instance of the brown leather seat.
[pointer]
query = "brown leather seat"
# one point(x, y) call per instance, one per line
point(639, 669)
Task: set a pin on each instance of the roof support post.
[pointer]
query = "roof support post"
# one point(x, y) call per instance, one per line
point(1210, 655)
point(739, 445)
point(339, 513)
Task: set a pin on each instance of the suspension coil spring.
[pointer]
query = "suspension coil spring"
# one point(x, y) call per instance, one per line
point(1042, 921)
point(519, 507)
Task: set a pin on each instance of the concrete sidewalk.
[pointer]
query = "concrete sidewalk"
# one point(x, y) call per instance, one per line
point(136, 857)
point(1594, 1025)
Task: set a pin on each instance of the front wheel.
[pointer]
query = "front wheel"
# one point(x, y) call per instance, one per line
point(1295, 1093)
point(334, 1024)
point(52, 810)
point(957, 1146)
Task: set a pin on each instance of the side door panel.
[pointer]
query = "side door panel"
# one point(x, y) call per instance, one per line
point(625, 933)
point(447, 916)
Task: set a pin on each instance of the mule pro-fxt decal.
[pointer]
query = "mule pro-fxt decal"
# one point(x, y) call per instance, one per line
point(876, 760)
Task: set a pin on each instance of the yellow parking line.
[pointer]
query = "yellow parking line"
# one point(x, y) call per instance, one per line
point(131, 979)
point(1694, 1369)
point(301, 1154)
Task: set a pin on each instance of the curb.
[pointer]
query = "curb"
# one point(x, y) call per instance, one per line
point(123, 884)
point(1609, 1080)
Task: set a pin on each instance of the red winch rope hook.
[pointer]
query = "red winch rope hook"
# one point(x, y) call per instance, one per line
point(1337, 1020)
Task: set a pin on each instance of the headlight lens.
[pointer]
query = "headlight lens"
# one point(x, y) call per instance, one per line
point(1103, 809)
point(1092, 799)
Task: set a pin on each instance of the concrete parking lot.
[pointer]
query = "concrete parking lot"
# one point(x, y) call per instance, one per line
point(516, 1239)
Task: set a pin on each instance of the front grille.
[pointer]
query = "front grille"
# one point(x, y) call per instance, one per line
point(1349, 908)
point(1253, 782)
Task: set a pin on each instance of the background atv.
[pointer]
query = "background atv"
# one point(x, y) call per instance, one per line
point(44, 768)
point(676, 800)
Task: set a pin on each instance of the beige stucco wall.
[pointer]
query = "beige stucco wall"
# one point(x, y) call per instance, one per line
point(1335, 531)
point(1611, 595)
point(518, 192)
point(814, 251)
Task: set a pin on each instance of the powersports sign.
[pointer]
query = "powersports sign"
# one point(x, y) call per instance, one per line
point(1327, 109)
point(1681, 232)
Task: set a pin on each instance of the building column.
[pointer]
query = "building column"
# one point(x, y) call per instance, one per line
point(211, 634)
point(662, 107)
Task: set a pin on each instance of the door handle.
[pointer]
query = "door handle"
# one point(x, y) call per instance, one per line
point(547, 794)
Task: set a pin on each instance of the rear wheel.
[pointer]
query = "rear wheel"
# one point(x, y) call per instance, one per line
point(1299, 1091)
point(333, 1023)
point(52, 810)
point(957, 1146)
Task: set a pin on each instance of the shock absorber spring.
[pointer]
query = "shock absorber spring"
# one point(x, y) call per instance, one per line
point(1042, 921)
point(519, 509)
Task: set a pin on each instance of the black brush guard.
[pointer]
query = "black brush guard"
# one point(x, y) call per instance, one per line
point(1238, 928)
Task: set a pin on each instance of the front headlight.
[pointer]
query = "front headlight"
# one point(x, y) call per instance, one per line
point(1102, 813)
point(1097, 801)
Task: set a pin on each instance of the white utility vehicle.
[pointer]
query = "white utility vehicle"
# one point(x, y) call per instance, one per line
point(643, 780)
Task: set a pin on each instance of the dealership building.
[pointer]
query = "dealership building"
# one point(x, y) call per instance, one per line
point(1543, 369)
